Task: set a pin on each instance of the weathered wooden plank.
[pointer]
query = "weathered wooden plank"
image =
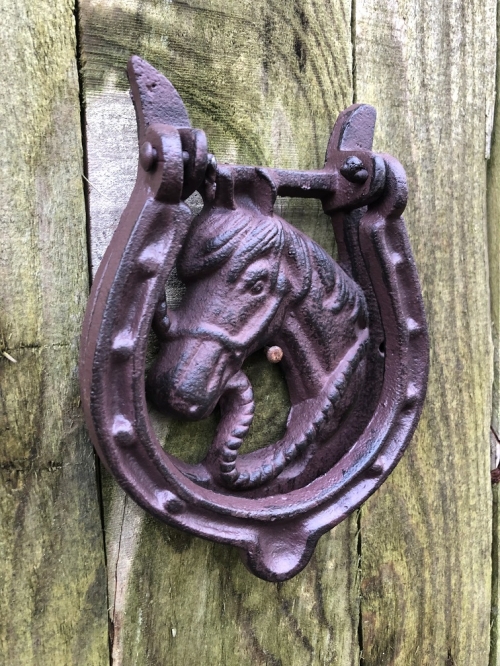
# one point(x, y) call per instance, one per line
point(493, 202)
point(266, 81)
point(495, 592)
point(53, 599)
point(428, 67)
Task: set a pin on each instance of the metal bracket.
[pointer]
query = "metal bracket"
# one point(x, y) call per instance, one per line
point(351, 336)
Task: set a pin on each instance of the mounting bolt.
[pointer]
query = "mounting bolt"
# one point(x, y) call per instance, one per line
point(354, 170)
point(148, 156)
point(274, 354)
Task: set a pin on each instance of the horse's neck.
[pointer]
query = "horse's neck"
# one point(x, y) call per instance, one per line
point(316, 334)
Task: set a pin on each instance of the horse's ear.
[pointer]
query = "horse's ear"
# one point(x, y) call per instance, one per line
point(224, 190)
point(264, 191)
point(297, 264)
point(243, 186)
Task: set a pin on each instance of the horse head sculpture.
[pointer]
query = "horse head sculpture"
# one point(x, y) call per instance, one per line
point(252, 280)
point(352, 334)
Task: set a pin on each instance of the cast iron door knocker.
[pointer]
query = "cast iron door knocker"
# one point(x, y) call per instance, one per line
point(352, 335)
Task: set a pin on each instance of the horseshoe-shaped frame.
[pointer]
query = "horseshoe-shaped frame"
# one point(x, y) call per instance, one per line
point(276, 534)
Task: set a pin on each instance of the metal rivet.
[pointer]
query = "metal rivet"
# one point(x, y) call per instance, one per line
point(413, 326)
point(123, 345)
point(376, 469)
point(148, 156)
point(354, 170)
point(174, 505)
point(123, 431)
point(411, 397)
point(274, 354)
point(397, 259)
point(148, 266)
point(149, 262)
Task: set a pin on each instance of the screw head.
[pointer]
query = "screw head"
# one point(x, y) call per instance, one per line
point(274, 354)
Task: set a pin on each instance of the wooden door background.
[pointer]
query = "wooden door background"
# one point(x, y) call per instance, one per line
point(86, 577)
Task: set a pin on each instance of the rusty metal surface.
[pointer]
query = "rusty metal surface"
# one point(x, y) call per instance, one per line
point(350, 336)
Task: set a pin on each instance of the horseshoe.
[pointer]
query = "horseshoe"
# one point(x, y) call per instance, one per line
point(277, 522)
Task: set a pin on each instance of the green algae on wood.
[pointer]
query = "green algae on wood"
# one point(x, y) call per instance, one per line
point(428, 67)
point(493, 208)
point(53, 597)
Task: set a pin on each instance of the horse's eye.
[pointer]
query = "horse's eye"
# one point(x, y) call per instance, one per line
point(257, 287)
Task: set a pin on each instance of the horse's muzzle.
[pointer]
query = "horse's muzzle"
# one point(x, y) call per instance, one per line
point(188, 377)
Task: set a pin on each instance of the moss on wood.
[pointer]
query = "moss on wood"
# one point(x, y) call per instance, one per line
point(426, 535)
point(53, 597)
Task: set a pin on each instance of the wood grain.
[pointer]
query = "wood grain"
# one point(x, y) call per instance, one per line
point(428, 67)
point(52, 600)
point(495, 591)
point(265, 80)
point(493, 202)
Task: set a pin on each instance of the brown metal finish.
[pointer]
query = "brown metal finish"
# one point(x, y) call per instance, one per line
point(350, 336)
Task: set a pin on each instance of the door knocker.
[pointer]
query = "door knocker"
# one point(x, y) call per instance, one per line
point(350, 335)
